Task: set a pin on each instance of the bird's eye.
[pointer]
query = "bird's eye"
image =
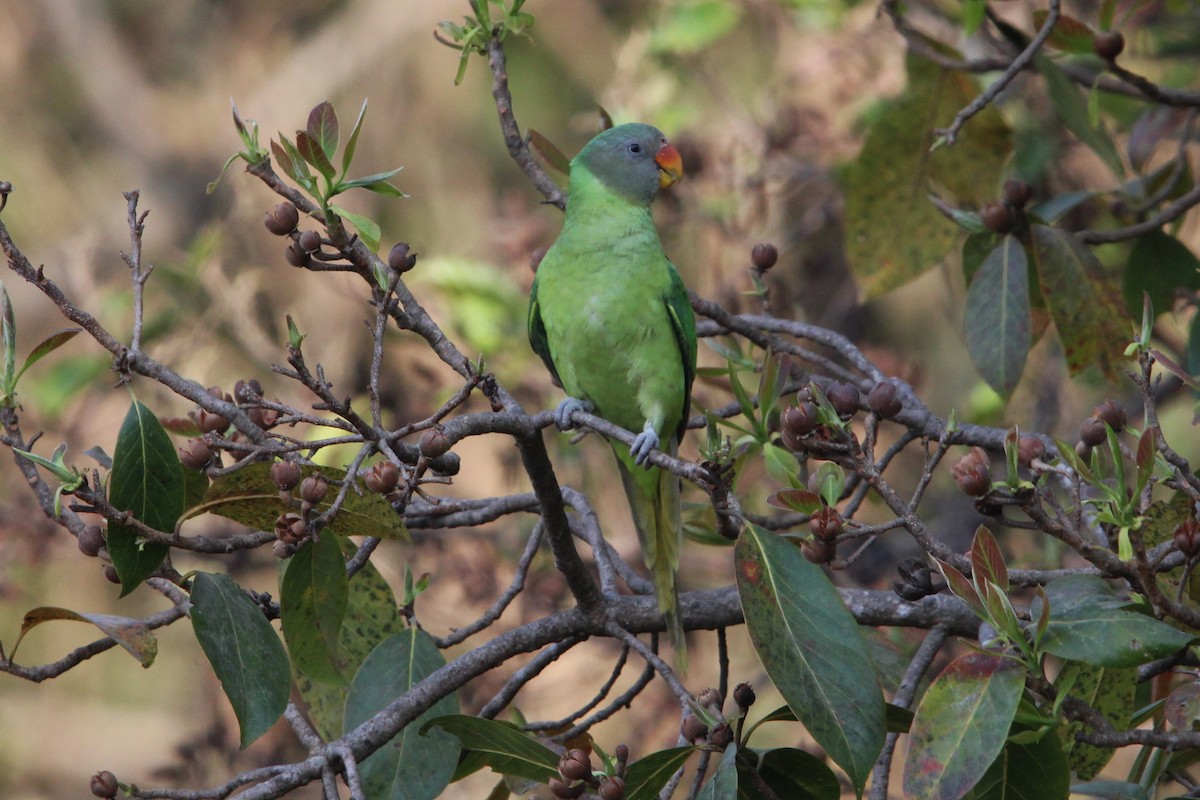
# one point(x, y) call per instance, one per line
point(635, 148)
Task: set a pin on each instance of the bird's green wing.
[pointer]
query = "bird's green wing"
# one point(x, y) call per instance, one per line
point(683, 323)
point(537, 334)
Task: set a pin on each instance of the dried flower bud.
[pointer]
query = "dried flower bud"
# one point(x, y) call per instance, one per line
point(247, 391)
point(972, 473)
point(309, 241)
point(313, 488)
point(884, 400)
point(693, 729)
point(721, 736)
point(290, 528)
point(434, 443)
point(575, 764)
point(296, 256)
point(282, 220)
point(916, 580)
point(566, 790)
point(1092, 432)
point(744, 696)
point(1187, 537)
point(104, 784)
point(382, 478)
point(1030, 448)
point(844, 398)
point(265, 418)
point(286, 474)
point(90, 540)
point(208, 422)
point(612, 788)
point(401, 258)
point(195, 454)
point(818, 552)
point(796, 422)
point(826, 524)
point(1111, 413)
point(764, 256)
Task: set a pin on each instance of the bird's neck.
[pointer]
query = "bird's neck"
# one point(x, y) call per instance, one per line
point(591, 205)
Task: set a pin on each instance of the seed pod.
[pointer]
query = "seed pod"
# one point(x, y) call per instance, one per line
point(566, 790)
point(884, 400)
point(313, 488)
point(296, 256)
point(764, 256)
point(110, 574)
point(286, 474)
point(844, 398)
point(1187, 537)
point(744, 696)
point(693, 729)
point(309, 241)
point(818, 552)
point(434, 443)
point(798, 421)
point(1092, 432)
point(282, 220)
point(382, 478)
point(575, 764)
point(195, 454)
point(401, 258)
point(721, 736)
point(826, 524)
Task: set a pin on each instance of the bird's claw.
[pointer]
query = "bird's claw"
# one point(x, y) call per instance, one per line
point(643, 443)
point(562, 414)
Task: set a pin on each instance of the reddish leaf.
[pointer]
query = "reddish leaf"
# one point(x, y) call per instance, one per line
point(310, 150)
point(1183, 707)
point(961, 587)
point(132, 634)
point(549, 152)
point(1069, 35)
point(323, 128)
point(987, 562)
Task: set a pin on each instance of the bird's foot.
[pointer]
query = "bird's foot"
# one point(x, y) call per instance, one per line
point(562, 414)
point(643, 443)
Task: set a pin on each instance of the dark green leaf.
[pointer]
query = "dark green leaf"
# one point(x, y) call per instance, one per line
point(8, 338)
point(1111, 692)
point(244, 650)
point(723, 785)
point(899, 719)
point(508, 750)
point(997, 316)
point(1091, 323)
point(646, 777)
point(368, 229)
point(289, 159)
point(312, 603)
point(961, 725)
point(1036, 770)
point(977, 247)
point(323, 128)
point(812, 649)
point(790, 773)
point(1159, 264)
point(1055, 207)
point(1072, 110)
point(1112, 790)
point(368, 180)
point(146, 480)
point(418, 762)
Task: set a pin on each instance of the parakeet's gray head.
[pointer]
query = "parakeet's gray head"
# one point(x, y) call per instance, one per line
point(632, 160)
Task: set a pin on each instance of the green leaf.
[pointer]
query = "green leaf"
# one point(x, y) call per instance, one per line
point(8, 340)
point(288, 157)
point(1072, 110)
point(134, 635)
point(977, 247)
point(646, 777)
point(1083, 304)
point(369, 180)
point(368, 229)
point(781, 465)
point(723, 785)
point(791, 773)
point(1036, 770)
point(310, 150)
point(244, 651)
point(690, 26)
point(417, 763)
point(973, 14)
point(312, 603)
point(371, 616)
point(1111, 692)
point(1111, 790)
point(831, 482)
point(352, 142)
point(507, 750)
point(961, 725)
point(961, 587)
point(45, 347)
point(1089, 623)
point(893, 232)
point(997, 316)
point(812, 649)
point(1158, 264)
point(250, 497)
point(146, 480)
point(323, 128)
point(1069, 35)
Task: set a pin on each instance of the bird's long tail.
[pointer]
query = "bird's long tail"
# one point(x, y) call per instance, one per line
point(654, 502)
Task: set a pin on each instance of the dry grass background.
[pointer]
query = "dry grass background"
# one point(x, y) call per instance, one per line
point(101, 97)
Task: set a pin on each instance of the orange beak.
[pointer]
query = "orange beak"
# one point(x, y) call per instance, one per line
point(670, 165)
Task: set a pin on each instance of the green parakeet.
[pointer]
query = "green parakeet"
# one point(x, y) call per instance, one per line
point(610, 316)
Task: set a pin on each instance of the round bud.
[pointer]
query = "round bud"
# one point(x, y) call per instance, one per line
point(282, 549)
point(1113, 414)
point(5, 187)
point(286, 474)
point(764, 256)
point(1030, 448)
point(104, 784)
point(1109, 44)
point(693, 729)
point(401, 258)
point(90, 540)
point(309, 241)
point(721, 736)
point(382, 478)
point(295, 256)
point(612, 788)
point(575, 764)
point(1187, 537)
point(282, 219)
point(1017, 192)
point(972, 473)
point(818, 552)
point(844, 398)
point(744, 696)
point(884, 400)
point(434, 443)
point(826, 524)
point(313, 488)
point(247, 391)
point(1092, 432)
point(996, 217)
point(195, 454)
point(110, 574)
point(566, 790)
point(711, 699)
point(796, 422)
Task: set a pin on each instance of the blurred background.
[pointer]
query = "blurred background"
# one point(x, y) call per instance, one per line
point(764, 98)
